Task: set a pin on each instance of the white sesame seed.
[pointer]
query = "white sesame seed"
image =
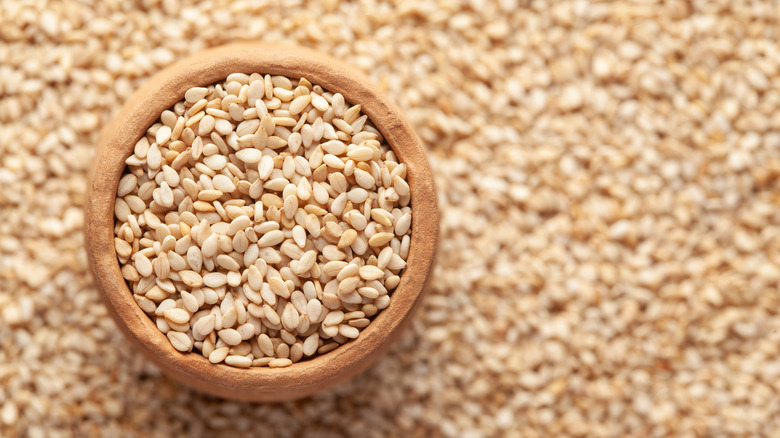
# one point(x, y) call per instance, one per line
point(214, 279)
point(249, 155)
point(219, 354)
point(143, 265)
point(180, 341)
point(195, 94)
point(246, 330)
point(290, 317)
point(177, 316)
point(238, 361)
point(333, 318)
point(223, 183)
point(380, 239)
point(265, 344)
point(271, 238)
point(271, 315)
point(203, 327)
point(348, 331)
point(364, 179)
point(311, 344)
point(215, 162)
point(299, 104)
point(280, 363)
point(229, 336)
point(369, 273)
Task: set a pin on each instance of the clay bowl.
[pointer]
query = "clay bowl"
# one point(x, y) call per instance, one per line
point(143, 109)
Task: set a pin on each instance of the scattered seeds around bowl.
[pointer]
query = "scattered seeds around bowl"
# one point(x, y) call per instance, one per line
point(262, 220)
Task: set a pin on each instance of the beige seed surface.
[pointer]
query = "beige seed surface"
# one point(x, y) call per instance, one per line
point(608, 177)
point(247, 251)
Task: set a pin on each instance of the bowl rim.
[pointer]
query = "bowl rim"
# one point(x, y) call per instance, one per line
point(143, 108)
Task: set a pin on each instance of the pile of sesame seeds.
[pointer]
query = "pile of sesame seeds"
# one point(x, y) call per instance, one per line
point(608, 176)
point(262, 220)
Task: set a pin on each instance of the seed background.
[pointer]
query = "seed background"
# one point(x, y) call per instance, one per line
point(608, 177)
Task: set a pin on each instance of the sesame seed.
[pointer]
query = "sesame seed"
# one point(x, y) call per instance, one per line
point(230, 336)
point(238, 361)
point(177, 316)
point(195, 94)
point(280, 363)
point(180, 341)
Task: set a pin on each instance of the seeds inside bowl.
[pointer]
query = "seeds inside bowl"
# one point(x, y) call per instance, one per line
point(262, 220)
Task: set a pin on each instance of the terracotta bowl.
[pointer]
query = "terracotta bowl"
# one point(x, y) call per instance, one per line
point(116, 143)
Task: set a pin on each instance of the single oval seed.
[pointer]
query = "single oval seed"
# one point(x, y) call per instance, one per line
point(177, 316)
point(369, 273)
point(230, 336)
point(265, 344)
point(123, 249)
point(299, 104)
point(290, 317)
point(403, 224)
point(250, 155)
point(271, 315)
point(163, 135)
point(380, 239)
point(271, 238)
point(223, 184)
point(348, 331)
point(280, 363)
point(143, 265)
point(180, 341)
point(361, 153)
point(195, 94)
point(209, 195)
point(191, 278)
point(215, 279)
point(216, 162)
point(204, 326)
point(333, 318)
point(239, 361)
point(314, 309)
